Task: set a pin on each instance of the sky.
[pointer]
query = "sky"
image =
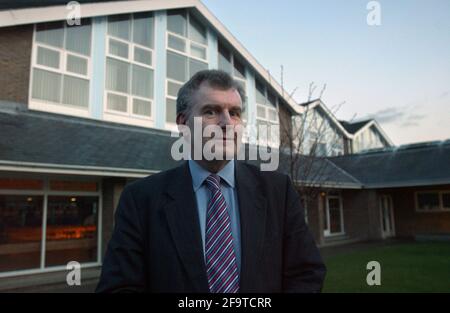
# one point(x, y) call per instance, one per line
point(397, 72)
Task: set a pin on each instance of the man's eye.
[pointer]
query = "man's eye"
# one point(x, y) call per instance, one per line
point(235, 114)
point(209, 112)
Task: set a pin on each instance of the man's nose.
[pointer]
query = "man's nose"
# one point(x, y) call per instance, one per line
point(225, 118)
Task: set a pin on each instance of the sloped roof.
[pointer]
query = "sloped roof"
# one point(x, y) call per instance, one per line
point(37, 138)
point(31, 138)
point(46, 138)
point(412, 165)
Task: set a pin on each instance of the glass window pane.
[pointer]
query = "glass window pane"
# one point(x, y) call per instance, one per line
point(171, 110)
point(142, 56)
point(141, 107)
point(273, 116)
point(116, 102)
point(239, 69)
point(46, 85)
point(272, 99)
point(335, 215)
point(71, 230)
point(260, 93)
point(143, 29)
point(177, 43)
point(76, 91)
point(117, 75)
point(196, 66)
point(76, 64)
point(446, 200)
point(118, 48)
point(79, 38)
point(176, 66)
point(225, 59)
point(50, 33)
point(48, 57)
point(428, 201)
point(172, 88)
point(198, 51)
point(176, 22)
point(62, 185)
point(261, 112)
point(197, 32)
point(142, 84)
point(119, 26)
point(21, 184)
point(20, 232)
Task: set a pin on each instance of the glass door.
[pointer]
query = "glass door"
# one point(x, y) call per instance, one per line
point(333, 217)
point(387, 216)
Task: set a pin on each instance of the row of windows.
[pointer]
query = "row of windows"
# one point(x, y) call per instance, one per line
point(48, 223)
point(62, 65)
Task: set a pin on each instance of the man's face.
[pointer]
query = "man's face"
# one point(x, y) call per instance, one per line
point(222, 108)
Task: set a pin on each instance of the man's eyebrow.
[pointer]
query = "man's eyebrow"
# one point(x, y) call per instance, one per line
point(218, 106)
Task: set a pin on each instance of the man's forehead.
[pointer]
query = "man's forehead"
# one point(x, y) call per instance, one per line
point(210, 93)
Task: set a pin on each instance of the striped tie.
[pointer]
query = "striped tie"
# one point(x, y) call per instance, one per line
point(221, 264)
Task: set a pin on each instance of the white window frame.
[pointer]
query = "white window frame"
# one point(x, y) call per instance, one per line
point(171, 126)
point(327, 232)
point(50, 106)
point(129, 117)
point(188, 55)
point(45, 193)
point(268, 107)
point(440, 194)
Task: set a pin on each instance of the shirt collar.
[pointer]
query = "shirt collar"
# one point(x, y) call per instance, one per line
point(199, 174)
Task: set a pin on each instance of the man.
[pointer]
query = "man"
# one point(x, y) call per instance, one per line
point(218, 225)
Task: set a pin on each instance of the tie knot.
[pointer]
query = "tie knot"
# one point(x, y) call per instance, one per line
point(213, 182)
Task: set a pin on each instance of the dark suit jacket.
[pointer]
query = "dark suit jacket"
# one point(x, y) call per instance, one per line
point(156, 244)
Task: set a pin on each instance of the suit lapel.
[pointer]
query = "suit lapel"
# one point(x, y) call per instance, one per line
point(182, 217)
point(252, 208)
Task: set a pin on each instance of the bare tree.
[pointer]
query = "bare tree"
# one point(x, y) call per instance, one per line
point(302, 145)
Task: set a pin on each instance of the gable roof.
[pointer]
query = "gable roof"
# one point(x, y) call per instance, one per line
point(319, 103)
point(104, 8)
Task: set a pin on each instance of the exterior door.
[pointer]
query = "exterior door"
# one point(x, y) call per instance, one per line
point(333, 217)
point(387, 216)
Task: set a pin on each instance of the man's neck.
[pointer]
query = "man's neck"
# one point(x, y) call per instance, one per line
point(212, 166)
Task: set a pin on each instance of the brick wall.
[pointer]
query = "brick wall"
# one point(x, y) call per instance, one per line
point(408, 222)
point(15, 58)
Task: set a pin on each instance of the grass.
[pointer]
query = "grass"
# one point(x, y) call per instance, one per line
point(412, 267)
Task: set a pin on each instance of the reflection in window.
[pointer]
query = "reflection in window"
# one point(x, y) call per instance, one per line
point(60, 73)
point(71, 229)
point(129, 65)
point(186, 54)
point(20, 232)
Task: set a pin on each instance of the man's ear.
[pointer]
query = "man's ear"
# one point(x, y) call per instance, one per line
point(181, 119)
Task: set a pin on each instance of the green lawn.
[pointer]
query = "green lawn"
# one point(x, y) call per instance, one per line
point(412, 267)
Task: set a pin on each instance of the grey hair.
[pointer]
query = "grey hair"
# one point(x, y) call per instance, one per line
point(215, 78)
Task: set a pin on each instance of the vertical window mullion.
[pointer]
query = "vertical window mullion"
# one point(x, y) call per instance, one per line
point(130, 86)
point(44, 224)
